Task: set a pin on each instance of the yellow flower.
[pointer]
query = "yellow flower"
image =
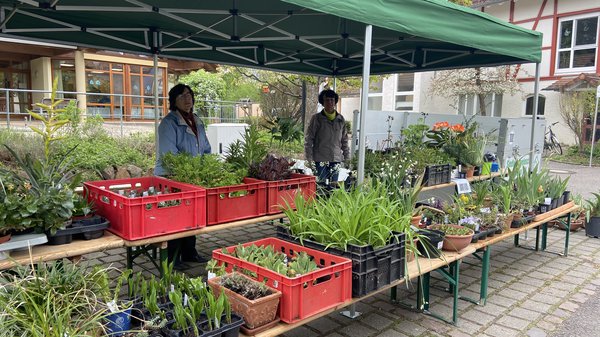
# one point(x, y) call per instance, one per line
point(27, 185)
point(540, 189)
point(464, 198)
point(10, 187)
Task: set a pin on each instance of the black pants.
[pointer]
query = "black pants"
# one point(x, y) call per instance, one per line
point(182, 248)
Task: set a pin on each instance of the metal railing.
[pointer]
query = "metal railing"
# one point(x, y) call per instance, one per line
point(112, 110)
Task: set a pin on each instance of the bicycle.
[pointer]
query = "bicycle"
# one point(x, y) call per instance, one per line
point(551, 144)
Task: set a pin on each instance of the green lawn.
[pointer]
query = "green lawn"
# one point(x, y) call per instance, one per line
point(571, 155)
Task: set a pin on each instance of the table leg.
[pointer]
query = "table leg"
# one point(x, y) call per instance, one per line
point(129, 258)
point(568, 232)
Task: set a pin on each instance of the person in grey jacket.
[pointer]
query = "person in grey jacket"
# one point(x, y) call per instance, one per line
point(326, 139)
point(181, 131)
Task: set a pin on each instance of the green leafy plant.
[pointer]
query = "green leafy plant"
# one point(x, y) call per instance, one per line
point(206, 170)
point(45, 191)
point(284, 129)
point(593, 207)
point(451, 230)
point(242, 154)
point(53, 120)
point(82, 205)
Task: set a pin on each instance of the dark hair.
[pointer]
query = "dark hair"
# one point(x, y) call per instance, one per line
point(328, 93)
point(176, 91)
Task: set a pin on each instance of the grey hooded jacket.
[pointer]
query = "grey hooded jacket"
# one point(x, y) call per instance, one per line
point(326, 140)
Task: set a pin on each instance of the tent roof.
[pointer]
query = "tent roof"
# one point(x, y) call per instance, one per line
point(303, 36)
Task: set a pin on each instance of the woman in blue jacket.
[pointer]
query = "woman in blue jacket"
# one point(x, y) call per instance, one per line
point(181, 131)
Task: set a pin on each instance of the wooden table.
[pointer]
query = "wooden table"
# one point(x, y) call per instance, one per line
point(448, 265)
point(485, 245)
point(73, 251)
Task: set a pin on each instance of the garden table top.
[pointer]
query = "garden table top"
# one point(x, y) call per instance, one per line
point(73, 250)
point(514, 231)
point(162, 239)
point(472, 179)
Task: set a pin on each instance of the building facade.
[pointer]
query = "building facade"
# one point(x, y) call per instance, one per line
point(116, 86)
point(571, 32)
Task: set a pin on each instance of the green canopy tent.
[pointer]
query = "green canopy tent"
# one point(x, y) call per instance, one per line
point(330, 38)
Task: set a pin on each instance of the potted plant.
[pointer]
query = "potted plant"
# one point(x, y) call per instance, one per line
point(503, 199)
point(592, 216)
point(83, 207)
point(456, 237)
point(254, 301)
point(50, 300)
point(578, 217)
point(118, 312)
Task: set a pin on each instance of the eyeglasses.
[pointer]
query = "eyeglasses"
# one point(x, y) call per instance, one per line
point(185, 95)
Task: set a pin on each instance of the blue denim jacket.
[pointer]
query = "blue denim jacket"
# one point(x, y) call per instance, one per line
point(174, 135)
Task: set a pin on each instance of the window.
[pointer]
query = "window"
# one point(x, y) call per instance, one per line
point(541, 105)
point(64, 70)
point(469, 105)
point(405, 86)
point(375, 101)
point(577, 43)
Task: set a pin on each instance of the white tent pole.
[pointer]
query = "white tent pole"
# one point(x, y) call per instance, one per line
point(536, 94)
point(594, 125)
point(156, 100)
point(364, 97)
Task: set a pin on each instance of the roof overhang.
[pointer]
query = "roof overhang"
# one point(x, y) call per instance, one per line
point(581, 82)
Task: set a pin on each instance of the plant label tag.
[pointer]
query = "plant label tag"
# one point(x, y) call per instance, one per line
point(185, 300)
point(211, 275)
point(172, 288)
point(462, 186)
point(440, 244)
point(112, 306)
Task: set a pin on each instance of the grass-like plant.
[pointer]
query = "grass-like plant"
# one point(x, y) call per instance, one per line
point(362, 216)
point(49, 300)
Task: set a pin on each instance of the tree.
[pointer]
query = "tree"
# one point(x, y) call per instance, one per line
point(575, 106)
point(209, 87)
point(475, 81)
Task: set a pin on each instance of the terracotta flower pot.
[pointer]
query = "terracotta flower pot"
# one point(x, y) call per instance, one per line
point(256, 312)
point(5, 238)
point(469, 171)
point(576, 224)
point(415, 220)
point(455, 243)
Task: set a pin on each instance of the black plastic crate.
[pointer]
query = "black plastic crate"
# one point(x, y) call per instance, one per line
point(437, 174)
point(371, 268)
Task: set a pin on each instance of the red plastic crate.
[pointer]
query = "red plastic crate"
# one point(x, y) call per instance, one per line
point(305, 295)
point(143, 217)
point(282, 193)
point(223, 205)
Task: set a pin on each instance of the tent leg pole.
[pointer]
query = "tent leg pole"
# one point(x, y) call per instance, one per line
point(536, 96)
point(364, 97)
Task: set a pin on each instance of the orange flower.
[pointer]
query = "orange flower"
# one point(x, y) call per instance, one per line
point(440, 125)
point(458, 128)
